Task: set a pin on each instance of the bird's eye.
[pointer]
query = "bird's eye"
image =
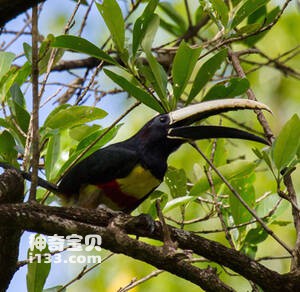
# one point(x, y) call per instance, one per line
point(163, 120)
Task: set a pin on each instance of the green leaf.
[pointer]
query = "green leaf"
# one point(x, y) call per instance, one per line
point(17, 95)
point(45, 53)
point(18, 108)
point(258, 16)
point(86, 142)
point(206, 72)
point(57, 153)
point(247, 9)
point(81, 45)
point(176, 180)
point(151, 81)
point(287, 143)
point(233, 87)
point(265, 21)
point(73, 116)
point(249, 250)
point(221, 9)
point(183, 66)
point(177, 202)
point(168, 8)
point(160, 76)
point(256, 235)
point(281, 222)
point(244, 186)
point(6, 60)
point(8, 152)
point(152, 27)
point(4, 123)
point(141, 25)
point(149, 206)
point(112, 15)
point(265, 156)
point(265, 206)
point(230, 171)
point(135, 91)
point(14, 75)
point(80, 132)
point(38, 271)
point(28, 52)
point(248, 29)
point(169, 27)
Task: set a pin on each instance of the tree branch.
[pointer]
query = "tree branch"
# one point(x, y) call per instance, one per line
point(64, 221)
point(11, 191)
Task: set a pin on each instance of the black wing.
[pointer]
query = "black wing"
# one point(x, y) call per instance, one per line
point(104, 165)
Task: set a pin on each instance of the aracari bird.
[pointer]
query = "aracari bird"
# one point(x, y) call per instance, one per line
point(122, 175)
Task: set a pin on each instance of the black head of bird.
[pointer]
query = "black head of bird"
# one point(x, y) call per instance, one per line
point(122, 175)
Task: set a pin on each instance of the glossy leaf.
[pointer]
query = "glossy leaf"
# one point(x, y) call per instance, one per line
point(160, 77)
point(287, 143)
point(86, 142)
point(256, 235)
point(150, 33)
point(18, 108)
point(73, 116)
point(176, 180)
point(112, 15)
point(28, 52)
point(265, 206)
point(251, 41)
point(183, 66)
point(244, 186)
point(230, 171)
point(57, 153)
point(176, 17)
point(221, 10)
point(8, 152)
point(233, 87)
point(135, 91)
point(141, 25)
point(38, 271)
point(206, 72)
point(151, 81)
point(45, 53)
point(80, 132)
point(6, 59)
point(171, 28)
point(81, 45)
point(247, 9)
point(177, 202)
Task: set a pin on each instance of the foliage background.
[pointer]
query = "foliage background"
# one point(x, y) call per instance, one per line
point(270, 85)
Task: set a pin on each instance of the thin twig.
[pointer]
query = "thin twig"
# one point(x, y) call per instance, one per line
point(243, 202)
point(35, 105)
point(83, 272)
point(135, 283)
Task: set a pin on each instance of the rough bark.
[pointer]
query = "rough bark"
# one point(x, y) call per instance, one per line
point(114, 228)
point(11, 191)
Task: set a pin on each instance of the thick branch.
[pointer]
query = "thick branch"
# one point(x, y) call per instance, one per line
point(51, 220)
point(11, 191)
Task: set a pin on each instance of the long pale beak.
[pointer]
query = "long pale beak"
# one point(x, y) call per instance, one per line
point(182, 118)
point(203, 110)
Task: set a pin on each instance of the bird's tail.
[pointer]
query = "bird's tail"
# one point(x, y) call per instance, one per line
point(27, 175)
